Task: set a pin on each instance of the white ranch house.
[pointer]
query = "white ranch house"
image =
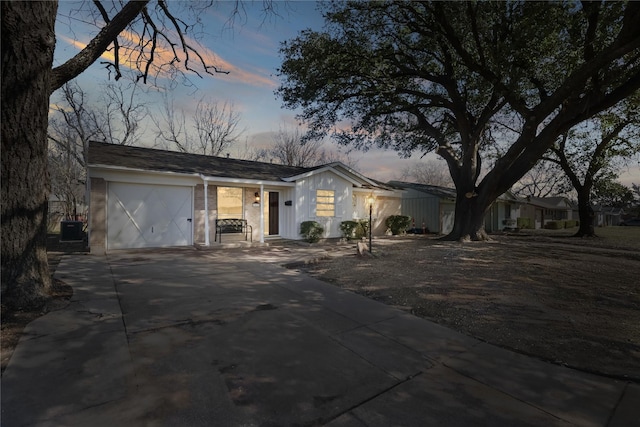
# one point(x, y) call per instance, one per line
point(142, 197)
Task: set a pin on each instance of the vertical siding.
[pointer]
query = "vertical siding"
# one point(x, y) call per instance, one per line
point(423, 209)
point(288, 228)
point(306, 201)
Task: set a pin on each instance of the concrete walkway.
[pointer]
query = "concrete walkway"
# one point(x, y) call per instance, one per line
point(230, 338)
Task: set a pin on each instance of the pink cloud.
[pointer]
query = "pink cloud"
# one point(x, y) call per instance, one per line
point(163, 54)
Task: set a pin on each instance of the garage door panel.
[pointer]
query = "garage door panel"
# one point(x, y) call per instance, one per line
point(148, 216)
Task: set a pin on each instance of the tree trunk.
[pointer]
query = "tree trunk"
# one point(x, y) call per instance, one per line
point(586, 214)
point(28, 41)
point(469, 217)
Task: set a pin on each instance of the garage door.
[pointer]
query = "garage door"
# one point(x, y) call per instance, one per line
point(147, 216)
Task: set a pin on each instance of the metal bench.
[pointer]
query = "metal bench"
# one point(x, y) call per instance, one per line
point(233, 226)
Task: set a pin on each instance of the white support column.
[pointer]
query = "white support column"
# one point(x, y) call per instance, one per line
point(262, 213)
point(206, 213)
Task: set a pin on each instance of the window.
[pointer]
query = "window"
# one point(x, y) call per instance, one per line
point(325, 203)
point(229, 202)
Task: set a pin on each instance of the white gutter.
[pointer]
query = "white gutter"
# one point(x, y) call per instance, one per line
point(199, 175)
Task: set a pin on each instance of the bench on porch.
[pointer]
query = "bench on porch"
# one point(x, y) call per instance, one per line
point(232, 226)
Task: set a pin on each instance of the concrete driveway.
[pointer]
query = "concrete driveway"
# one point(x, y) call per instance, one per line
point(181, 337)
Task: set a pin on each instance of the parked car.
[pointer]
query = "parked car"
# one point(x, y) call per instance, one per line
point(632, 221)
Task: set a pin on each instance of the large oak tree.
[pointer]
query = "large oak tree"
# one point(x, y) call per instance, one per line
point(28, 80)
point(461, 77)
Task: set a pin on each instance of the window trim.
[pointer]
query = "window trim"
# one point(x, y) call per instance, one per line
point(325, 203)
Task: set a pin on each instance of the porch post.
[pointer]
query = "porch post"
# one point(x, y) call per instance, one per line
point(206, 212)
point(261, 213)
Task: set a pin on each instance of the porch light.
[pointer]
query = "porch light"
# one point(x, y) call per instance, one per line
point(256, 202)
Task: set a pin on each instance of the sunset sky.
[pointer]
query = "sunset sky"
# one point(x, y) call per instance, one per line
point(249, 51)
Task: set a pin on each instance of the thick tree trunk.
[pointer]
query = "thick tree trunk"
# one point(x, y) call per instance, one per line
point(28, 41)
point(586, 214)
point(469, 217)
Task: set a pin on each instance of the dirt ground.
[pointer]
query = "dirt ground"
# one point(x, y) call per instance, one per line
point(570, 301)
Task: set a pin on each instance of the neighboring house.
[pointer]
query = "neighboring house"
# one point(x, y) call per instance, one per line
point(142, 197)
point(541, 210)
point(605, 216)
point(503, 213)
point(433, 207)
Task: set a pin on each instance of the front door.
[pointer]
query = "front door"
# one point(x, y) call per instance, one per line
point(274, 217)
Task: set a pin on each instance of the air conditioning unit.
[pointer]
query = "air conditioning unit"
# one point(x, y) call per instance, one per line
point(71, 231)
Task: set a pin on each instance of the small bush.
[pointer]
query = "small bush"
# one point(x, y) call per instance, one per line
point(554, 225)
point(524, 223)
point(348, 229)
point(311, 231)
point(397, 223)
point(363, 229)
point(570, 223)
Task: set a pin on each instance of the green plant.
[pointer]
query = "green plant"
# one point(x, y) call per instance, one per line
point(348, 229)
point(354, 229)
point(363, 229)
point(311, 231)
point(554, 225)
point(524, 222)
point(397, 223)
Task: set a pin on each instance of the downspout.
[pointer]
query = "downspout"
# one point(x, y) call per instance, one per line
point(261, 213)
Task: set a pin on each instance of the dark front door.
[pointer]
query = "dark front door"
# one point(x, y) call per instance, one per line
point(274, 204)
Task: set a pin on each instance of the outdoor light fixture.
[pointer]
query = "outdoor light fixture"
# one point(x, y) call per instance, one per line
point(370, 200)
point(256, 203)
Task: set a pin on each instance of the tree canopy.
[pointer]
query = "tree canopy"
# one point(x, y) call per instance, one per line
point(461, 77)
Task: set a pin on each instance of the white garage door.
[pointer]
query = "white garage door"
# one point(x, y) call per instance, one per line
point(147, 216)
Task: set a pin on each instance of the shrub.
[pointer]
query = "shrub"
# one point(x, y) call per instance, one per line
point(570, 223)
point(554, 225)
point(311, 231)
point(348, 229)
point(524, 222)
point(363, 229)
point(397, 223)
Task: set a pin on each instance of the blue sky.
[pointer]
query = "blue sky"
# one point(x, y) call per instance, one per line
point(249, 50)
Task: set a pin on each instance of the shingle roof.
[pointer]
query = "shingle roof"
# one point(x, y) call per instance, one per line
point(557, 203)
point(171, 161)
point(425, 188)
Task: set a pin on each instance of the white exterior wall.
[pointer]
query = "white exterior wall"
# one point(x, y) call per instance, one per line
point(288, 229)
point(495, 216)
point(306, 201)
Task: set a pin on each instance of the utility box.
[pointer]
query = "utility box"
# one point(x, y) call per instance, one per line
point(70, 231)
